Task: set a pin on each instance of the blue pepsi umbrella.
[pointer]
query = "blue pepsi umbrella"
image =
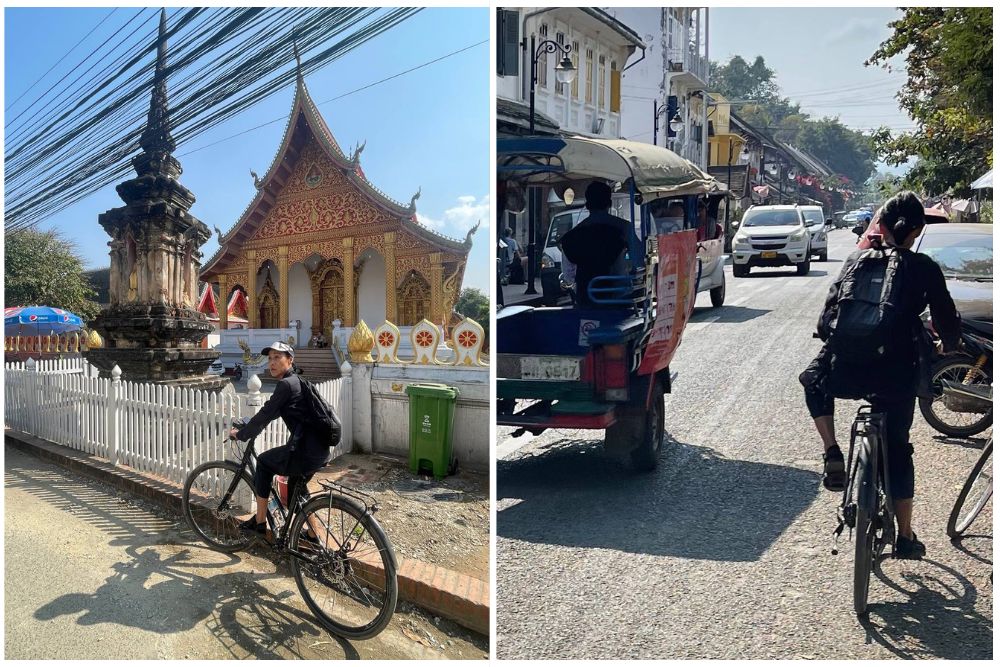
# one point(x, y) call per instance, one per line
point(39, 321)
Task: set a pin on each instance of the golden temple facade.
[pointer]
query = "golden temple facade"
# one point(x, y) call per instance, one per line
point(320, 243)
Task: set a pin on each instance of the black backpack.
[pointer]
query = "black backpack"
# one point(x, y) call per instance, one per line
point(868, 313)
point(319, 415)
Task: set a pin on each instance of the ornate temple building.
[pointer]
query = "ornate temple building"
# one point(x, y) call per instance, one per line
point(320, 243)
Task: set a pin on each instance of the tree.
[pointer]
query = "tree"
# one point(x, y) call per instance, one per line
point(43, 269)
point(949, 94)
point(475, 305)
point(846, 151)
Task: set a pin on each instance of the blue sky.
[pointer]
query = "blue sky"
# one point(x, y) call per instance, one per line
point(426, 129)
point(818, 57)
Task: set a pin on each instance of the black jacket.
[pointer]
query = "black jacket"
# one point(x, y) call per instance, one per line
point(288, 402)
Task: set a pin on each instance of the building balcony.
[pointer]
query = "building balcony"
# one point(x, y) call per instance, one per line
point(688, 68)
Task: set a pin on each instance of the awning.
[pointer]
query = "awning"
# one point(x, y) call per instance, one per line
point(983, 182)
point(965, 206)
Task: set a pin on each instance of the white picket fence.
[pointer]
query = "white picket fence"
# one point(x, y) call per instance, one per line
point(67, 365)
point(165, 431)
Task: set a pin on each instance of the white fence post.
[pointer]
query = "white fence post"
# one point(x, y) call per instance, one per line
point(346, 410)
point(114, 393)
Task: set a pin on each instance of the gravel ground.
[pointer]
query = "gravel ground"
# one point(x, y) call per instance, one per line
point(445, 522)
point(92, 573)
point(725, 551)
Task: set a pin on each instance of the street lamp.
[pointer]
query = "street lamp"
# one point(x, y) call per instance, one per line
point(657, 110)
point(676, 123)
point(565, 72)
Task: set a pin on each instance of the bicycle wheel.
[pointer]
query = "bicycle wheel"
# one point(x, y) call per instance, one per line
point(864, 546)
point(975, 493)
point(212, 516)
point(349, 581)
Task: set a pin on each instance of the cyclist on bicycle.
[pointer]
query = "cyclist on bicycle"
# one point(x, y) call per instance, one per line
point(893, 385)
point(303, 454)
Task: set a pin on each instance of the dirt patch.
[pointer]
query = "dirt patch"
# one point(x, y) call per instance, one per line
point(443, 522)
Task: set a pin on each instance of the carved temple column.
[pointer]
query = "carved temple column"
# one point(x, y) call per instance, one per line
point(283, 286)
point(253, 316)
point(223, 303)
point(349, 293)
point(437, 287)
point(390, 277)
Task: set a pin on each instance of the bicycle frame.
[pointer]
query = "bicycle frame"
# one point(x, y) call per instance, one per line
point(297, 499)
point(871, 491)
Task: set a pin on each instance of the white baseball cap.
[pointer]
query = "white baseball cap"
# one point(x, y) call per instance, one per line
point(278, 346)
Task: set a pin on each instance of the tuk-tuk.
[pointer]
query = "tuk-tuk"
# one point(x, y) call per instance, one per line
point(604, 362)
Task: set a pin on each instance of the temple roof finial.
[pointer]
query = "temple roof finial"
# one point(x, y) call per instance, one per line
point(155, 138)
point(298, 60)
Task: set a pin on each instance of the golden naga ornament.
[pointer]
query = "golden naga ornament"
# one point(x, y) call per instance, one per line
point(360, 344)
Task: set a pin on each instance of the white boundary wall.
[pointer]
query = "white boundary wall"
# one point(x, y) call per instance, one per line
point(165, 431)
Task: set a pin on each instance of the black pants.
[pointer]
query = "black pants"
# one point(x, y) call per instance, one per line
point(282, 461)
point(898, 420)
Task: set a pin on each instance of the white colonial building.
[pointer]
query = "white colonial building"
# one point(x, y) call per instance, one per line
point(673, 75)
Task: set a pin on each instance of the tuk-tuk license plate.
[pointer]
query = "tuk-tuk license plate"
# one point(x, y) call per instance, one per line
point(768, 254)
point(550, 368)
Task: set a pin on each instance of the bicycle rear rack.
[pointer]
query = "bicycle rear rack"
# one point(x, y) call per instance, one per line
point(367, 500)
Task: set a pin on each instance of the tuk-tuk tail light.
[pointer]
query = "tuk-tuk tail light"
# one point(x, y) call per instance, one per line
point(611, 372)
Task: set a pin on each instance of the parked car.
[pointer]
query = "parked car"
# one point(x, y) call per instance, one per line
point(964, 251)
point(817, 224)
point(771, 236)
point(216, 368)
point(838, 219)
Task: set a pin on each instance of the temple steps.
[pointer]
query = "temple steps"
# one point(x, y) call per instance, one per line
point(318, 365)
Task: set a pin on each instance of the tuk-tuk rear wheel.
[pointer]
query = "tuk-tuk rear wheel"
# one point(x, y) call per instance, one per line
point(639, 431)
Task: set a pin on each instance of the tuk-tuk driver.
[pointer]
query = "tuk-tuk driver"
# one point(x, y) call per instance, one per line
point(584, 249)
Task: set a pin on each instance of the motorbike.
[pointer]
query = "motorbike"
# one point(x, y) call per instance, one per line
point(953, 412)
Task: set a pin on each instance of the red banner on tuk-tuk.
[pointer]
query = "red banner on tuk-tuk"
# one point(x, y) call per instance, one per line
point(676, 290)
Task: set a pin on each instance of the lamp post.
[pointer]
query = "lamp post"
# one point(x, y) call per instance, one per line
point(565, 71)
point(657, 110)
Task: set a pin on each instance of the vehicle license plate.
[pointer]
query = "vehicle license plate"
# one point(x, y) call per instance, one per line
point(768, 254)
point(550, 368)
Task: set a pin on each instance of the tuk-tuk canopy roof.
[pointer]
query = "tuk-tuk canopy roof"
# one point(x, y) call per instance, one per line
point(657, 172)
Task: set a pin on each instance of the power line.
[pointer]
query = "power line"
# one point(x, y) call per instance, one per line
point(338, 97)
point(106, 17)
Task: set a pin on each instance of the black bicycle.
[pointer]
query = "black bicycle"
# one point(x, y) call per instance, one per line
point(866, 506)
point(975, 493)
point(341, 558)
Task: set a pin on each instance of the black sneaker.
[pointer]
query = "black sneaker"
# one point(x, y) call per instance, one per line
point(254, 530)
point(912, 549)
point(834, 472)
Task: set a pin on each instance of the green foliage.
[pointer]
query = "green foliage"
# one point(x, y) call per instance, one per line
point(986, 212)
point(43, 269)
point(475, 305)
point(846, 151)
point(949, 93)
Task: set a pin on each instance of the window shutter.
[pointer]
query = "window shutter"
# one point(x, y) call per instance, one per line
point(616, 91)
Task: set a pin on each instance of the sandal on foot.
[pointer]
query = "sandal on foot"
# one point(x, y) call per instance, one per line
point(834, 471)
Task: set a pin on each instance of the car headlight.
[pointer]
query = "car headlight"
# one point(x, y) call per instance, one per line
point(798, 236)
point(547, 262)
point(741, 239)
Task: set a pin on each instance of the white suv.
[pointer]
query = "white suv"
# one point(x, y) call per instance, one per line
point(771, 236)
point(817, 225)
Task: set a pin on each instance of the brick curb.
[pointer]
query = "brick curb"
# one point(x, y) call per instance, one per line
point(456, 596)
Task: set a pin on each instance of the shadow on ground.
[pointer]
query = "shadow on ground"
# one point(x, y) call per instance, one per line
point(938, 620)
point(167, 586)
point(571, 494)
point(728, 314)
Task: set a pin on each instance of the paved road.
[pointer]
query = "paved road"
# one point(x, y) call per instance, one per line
point(91, 574)
point(725, 551)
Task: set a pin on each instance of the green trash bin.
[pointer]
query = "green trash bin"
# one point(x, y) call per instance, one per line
point(432, 415)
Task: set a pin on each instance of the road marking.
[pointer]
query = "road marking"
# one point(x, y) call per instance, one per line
point(697, 326)
point(741, 300)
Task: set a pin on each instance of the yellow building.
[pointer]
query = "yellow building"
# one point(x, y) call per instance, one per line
point(723, 143)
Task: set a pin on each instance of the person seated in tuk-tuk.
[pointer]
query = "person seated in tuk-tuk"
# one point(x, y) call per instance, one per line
point(668, 215)
point(597, 245)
